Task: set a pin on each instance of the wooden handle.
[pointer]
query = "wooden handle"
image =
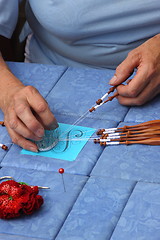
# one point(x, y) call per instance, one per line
point(145, 124)
point(151, 141)
point(111, 98)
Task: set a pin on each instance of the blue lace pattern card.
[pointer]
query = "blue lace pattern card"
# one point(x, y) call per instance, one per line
point(71, 141)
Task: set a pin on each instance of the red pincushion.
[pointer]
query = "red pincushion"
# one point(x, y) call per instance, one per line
point(17, 199)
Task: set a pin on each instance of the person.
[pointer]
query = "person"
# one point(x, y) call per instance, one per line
point(122, 35)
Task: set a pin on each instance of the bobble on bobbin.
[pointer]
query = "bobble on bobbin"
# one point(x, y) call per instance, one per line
point(99, 101)
point(2, 123)
point(96, 140)
point(92, 109)
point(4, 147)
point(100, 131)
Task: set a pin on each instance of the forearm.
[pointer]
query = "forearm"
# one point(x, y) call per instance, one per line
point(8, 83)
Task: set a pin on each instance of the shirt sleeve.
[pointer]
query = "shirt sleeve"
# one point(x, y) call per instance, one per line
point(8, 17)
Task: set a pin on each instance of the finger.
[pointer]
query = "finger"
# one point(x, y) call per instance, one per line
point(15, 124)
point(40, 107)
point(137, 84)
point(126, 68)
point(22, 142)
point(25, 114)
point(148, 94)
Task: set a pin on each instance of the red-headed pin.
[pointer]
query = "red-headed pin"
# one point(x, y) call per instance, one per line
point(61, 171)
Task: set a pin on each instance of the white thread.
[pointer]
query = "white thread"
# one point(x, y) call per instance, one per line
point(113, 134)
point(104, 96)
point(113, 137)
point(113, 143)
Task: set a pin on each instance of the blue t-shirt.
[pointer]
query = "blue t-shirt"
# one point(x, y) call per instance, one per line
point(94, 33)
point(8, 17)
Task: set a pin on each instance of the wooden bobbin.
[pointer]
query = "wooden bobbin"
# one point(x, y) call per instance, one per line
point(92, 109)
point(99, 101)
point(4, 147)
point(100, 131)
point(96, 140)
point(2, 123)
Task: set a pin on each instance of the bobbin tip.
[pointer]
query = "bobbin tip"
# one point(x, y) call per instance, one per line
point(92, 109)
point(96, 140)
point(2, 123)
point(4, 147)
point(99, 101)
point(104, 135)
point(100, 131)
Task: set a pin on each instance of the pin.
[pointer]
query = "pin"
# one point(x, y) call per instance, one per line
point(61, 171)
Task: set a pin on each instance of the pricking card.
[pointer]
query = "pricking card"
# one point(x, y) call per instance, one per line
point(71, 141)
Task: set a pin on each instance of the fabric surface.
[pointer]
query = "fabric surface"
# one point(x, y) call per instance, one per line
point(140, 218)
point(110, 193)
point(149, 111)
point(42, 77)
point(97, 210)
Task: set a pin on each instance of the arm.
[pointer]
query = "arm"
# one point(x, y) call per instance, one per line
point(146, 83)
point(26, 113)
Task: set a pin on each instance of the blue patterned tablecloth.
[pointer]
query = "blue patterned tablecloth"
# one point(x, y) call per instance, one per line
point(112, 193)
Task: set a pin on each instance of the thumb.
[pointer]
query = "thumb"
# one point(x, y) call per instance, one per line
point(125, 69)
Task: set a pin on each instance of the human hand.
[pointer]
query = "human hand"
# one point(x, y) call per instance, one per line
point(145, 85)
point(26, 116)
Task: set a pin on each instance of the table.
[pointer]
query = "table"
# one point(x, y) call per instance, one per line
point(112, 193)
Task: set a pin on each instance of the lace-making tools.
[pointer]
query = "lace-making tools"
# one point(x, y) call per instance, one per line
point(3, 146)
point(144, 133)
point(100, 101)
point(61, 171)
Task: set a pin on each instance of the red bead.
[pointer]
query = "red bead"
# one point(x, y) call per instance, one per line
point(61, 170)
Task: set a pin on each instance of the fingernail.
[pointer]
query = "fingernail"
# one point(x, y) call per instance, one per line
point(40, 132)
point(53, 126)
point(113, 80)
point(33, 149)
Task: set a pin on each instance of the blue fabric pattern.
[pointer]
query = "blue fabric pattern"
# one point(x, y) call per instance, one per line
point(97, 210)
point(4, 138)
point(42, 77)
point(140, 218)
point(16, 237)
point(147, 112)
